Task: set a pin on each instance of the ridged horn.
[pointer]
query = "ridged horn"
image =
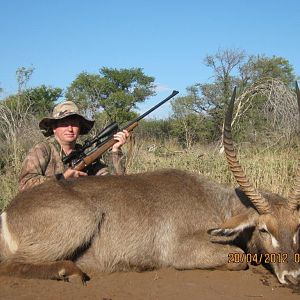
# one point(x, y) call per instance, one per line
point(261, 204)
point(294, 195)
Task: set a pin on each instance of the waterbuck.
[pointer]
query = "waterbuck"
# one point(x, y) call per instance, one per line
point(168, 218)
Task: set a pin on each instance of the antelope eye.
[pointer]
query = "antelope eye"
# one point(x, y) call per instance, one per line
point(263, 230)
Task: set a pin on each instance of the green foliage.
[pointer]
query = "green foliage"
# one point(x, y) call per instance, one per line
point(191, 121)
point(231, 68)
point(116, 92)
point(38, 101)
point(258, 67)
point(192, 129)
point(155, 129)
point(187, 130)
point(253, 126)
point(42, 99)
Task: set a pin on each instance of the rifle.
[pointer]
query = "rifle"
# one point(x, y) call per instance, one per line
point(79, 153)
point(104, 140)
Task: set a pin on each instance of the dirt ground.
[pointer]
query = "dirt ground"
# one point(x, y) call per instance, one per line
point(255, 283)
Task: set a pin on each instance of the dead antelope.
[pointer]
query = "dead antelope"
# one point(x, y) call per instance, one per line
point(168, 218)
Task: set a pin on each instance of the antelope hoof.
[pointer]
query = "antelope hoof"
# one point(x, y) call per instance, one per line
point(69, 272)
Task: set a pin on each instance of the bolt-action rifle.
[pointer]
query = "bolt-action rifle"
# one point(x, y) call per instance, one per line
point(104, 140)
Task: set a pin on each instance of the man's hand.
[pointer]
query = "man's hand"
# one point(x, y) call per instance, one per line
point(71, 173)
point(121, 137)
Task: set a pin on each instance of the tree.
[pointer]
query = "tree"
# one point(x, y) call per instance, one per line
point(266, 108)
point(42, 99)
point(116, 92)
point(260, 66)
point(234, 68)
point(190, 124)
point(38, 101)
point(185, 120)
point(19, 127)
point(23, 75)
point(223, 64)
point(152, 129)
point(212, 98)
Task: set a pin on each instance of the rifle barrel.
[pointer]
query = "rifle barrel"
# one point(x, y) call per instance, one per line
point(174, 93)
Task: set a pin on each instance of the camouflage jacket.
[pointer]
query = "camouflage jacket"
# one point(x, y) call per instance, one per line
point(44, 162)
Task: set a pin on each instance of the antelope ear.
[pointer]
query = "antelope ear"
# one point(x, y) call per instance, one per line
point(234, 225)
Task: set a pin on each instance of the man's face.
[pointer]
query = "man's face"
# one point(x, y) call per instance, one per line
point(66, 130)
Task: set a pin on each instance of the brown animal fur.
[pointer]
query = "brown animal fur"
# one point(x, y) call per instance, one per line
point(137, 222)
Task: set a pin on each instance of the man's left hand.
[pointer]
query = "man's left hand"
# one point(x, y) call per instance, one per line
point(121, 138)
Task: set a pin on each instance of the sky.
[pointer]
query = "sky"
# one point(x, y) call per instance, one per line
point(167, 39)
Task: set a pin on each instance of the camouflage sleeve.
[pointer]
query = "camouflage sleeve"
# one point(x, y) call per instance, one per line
point(34, 167)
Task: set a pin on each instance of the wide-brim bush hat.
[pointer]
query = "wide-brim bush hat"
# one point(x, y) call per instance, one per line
point(61, 111)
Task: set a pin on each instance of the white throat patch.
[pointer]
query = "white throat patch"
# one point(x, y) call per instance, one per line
point(295, 237)
point(294, 274)
point(275, 243)
point(6, 235)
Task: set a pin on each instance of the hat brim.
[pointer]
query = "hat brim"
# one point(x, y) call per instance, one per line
point(46, 124)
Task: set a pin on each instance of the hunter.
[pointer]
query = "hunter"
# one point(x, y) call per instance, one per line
point(44, 160)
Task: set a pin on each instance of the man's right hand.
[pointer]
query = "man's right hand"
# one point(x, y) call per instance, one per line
point(71, 173)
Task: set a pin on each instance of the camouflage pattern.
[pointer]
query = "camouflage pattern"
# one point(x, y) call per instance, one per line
point(63, 110)
point(44, 162)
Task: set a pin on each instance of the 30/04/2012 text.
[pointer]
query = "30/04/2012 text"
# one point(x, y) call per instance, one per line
point(260, 258)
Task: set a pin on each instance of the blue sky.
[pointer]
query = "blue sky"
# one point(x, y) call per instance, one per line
point(168, 39)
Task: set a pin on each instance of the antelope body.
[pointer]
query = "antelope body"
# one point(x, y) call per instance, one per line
point(137, 221)
point(168, 218)
point(141, 222)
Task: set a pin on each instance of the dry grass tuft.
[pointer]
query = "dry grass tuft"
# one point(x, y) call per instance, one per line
point(268, 168)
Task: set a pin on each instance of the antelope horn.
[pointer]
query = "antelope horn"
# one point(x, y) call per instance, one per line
point(261, 204)
point(294, 195)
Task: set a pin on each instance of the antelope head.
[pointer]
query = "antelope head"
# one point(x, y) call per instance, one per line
point(275, 220)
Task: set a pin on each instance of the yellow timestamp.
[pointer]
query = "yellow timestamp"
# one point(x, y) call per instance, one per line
point(260, 257)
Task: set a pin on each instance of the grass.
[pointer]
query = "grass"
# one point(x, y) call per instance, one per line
point(268, 168)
